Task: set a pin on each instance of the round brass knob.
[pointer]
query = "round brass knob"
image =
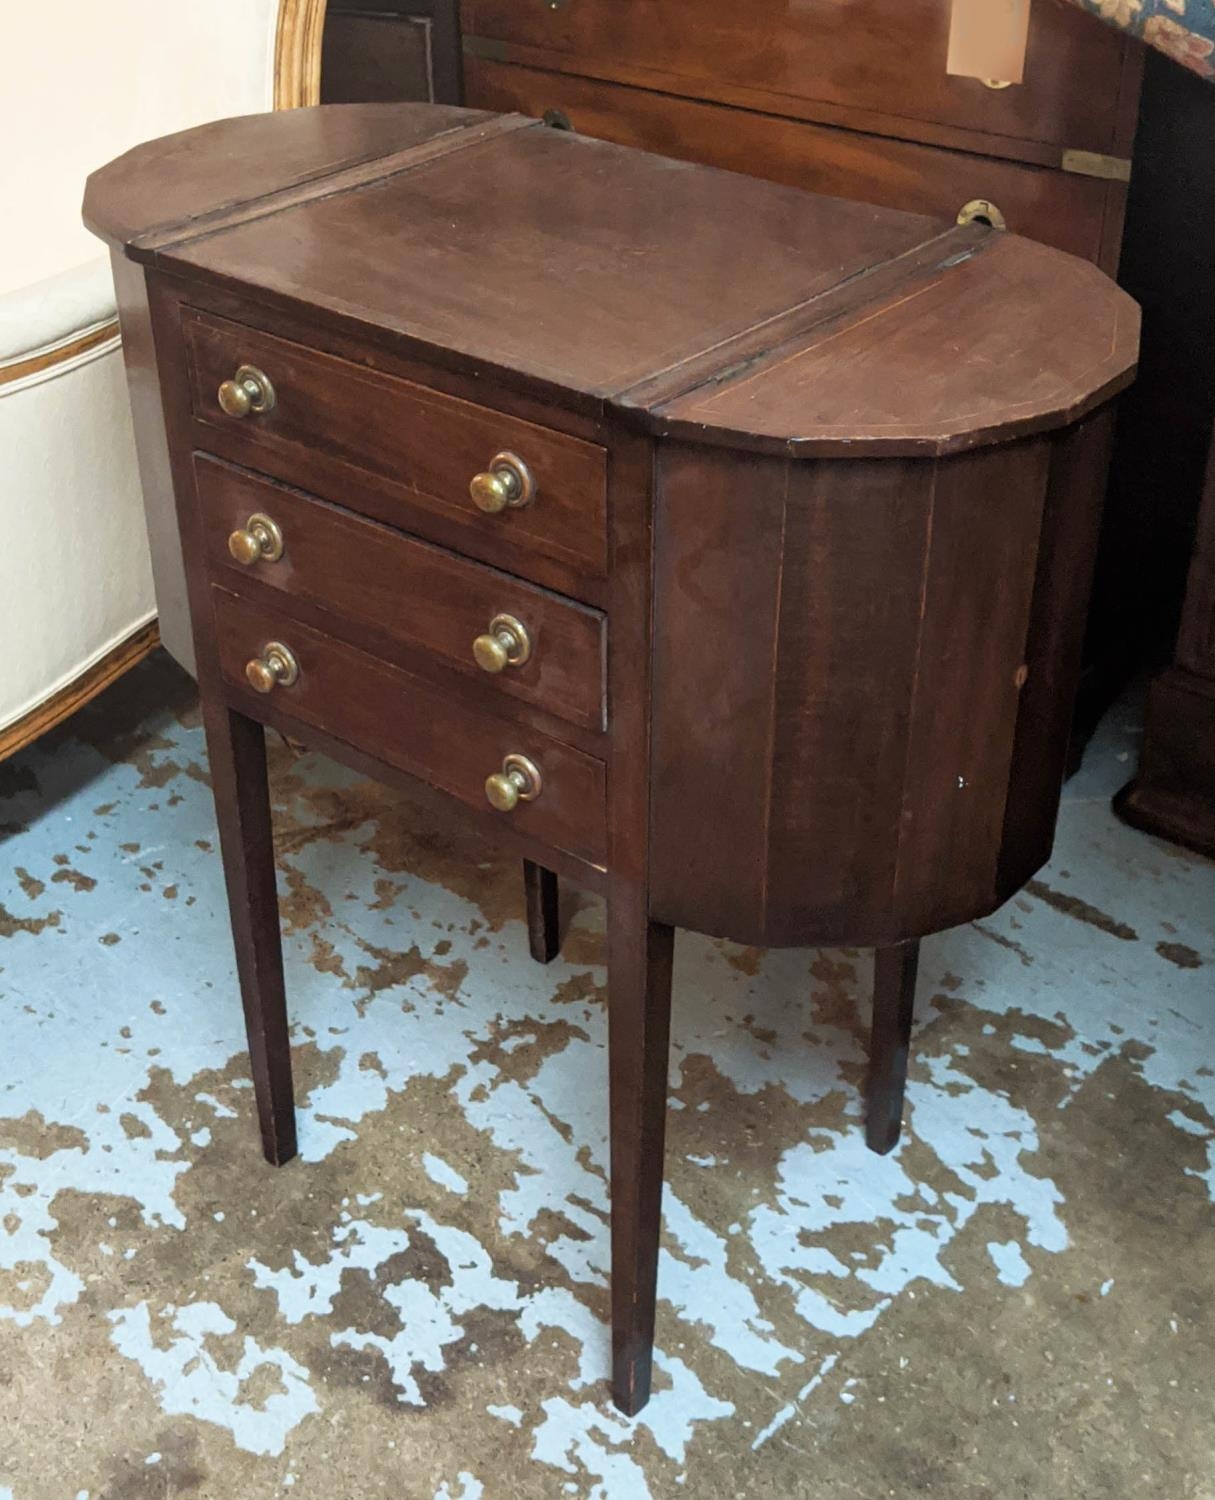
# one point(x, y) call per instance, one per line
point(275, 667)
point(507, 482)
point(248, 391)
point(517, 781)
point(259, 540)
point(506, 645)
point(981, 211)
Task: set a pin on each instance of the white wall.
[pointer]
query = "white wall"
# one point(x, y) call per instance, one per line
point(83, 80)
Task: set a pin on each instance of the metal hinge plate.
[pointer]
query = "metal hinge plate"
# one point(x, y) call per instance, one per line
point(1093, 164)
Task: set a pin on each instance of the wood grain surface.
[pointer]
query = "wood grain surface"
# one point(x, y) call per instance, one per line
point(885, 59)
point(465, 257)
point(371, 578)
point(401, 719)
point(815, 469)
point(1057, 208)
point(426, 444)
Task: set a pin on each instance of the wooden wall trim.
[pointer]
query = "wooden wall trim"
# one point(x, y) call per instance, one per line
point(80, 690)
point(297, 53)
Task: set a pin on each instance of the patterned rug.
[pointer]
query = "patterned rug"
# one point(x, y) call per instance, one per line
point(1016, 1302)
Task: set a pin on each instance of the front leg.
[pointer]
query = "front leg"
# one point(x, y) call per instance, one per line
point(236, 747)
point(639, 1015)
point(543, 914)
point(894, 974)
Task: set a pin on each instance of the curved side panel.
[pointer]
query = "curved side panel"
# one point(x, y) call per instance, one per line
point(846, 750)
point(74, 576)
point(858, 546)
point(788, 596)
point(971, 671)
point(1070, 524)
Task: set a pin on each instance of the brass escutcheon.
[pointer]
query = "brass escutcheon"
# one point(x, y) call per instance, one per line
point(249, 391)
point(981, 211)
point(507, 644)
point(259, 540)
point(506, 483)
point(275, 667)
point(517, 781)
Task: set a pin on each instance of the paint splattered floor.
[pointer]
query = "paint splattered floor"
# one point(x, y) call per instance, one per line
point(1018, 1302)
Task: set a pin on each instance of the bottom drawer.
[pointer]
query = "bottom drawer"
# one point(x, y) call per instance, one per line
point(416, 727)
point(1058, 208)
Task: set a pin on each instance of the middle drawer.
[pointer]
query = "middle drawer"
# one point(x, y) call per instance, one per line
point(520, 639)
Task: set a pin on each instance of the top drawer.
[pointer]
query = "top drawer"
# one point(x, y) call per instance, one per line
point(390, 448)
point(883, 56)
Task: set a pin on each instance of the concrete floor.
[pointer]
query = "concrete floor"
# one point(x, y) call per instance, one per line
point(1018, 1302)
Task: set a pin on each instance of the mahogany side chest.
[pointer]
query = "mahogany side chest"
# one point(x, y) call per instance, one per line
point(698, 537)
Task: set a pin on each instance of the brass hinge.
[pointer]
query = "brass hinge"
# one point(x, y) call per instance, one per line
point(1093, 164)
point(486, 47)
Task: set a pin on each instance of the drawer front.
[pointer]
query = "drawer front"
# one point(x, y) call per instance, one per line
point(414, 726)
point(885, 57)
point(1055, 207)
point(415, 593)
point(344, 423)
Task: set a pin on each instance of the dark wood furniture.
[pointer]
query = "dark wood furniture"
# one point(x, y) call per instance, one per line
point(734, 597)
point(849, 99)
point(381, 51)
point(1162, 491)
point(1173, 793)
point(855, 100)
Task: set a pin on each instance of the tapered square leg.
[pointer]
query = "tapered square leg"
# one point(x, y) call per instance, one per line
point(236, 747)
point(543, 912)
point(894, 974)
point(639, 1016)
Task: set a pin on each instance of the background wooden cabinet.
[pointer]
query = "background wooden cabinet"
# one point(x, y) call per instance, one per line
point(847, 100)
point(1158, 572)
point(380, 50)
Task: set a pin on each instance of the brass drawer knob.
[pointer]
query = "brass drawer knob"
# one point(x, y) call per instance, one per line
point(507, 482)
point(259, 540)
point(981, 211)
point(275, 667)
point(507, 644)
point(249, 391)
point(517, 781)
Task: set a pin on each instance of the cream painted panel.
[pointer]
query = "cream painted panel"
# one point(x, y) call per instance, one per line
point(39, 318)
point(83, 80)
point(74, 571)
point(80, 82)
